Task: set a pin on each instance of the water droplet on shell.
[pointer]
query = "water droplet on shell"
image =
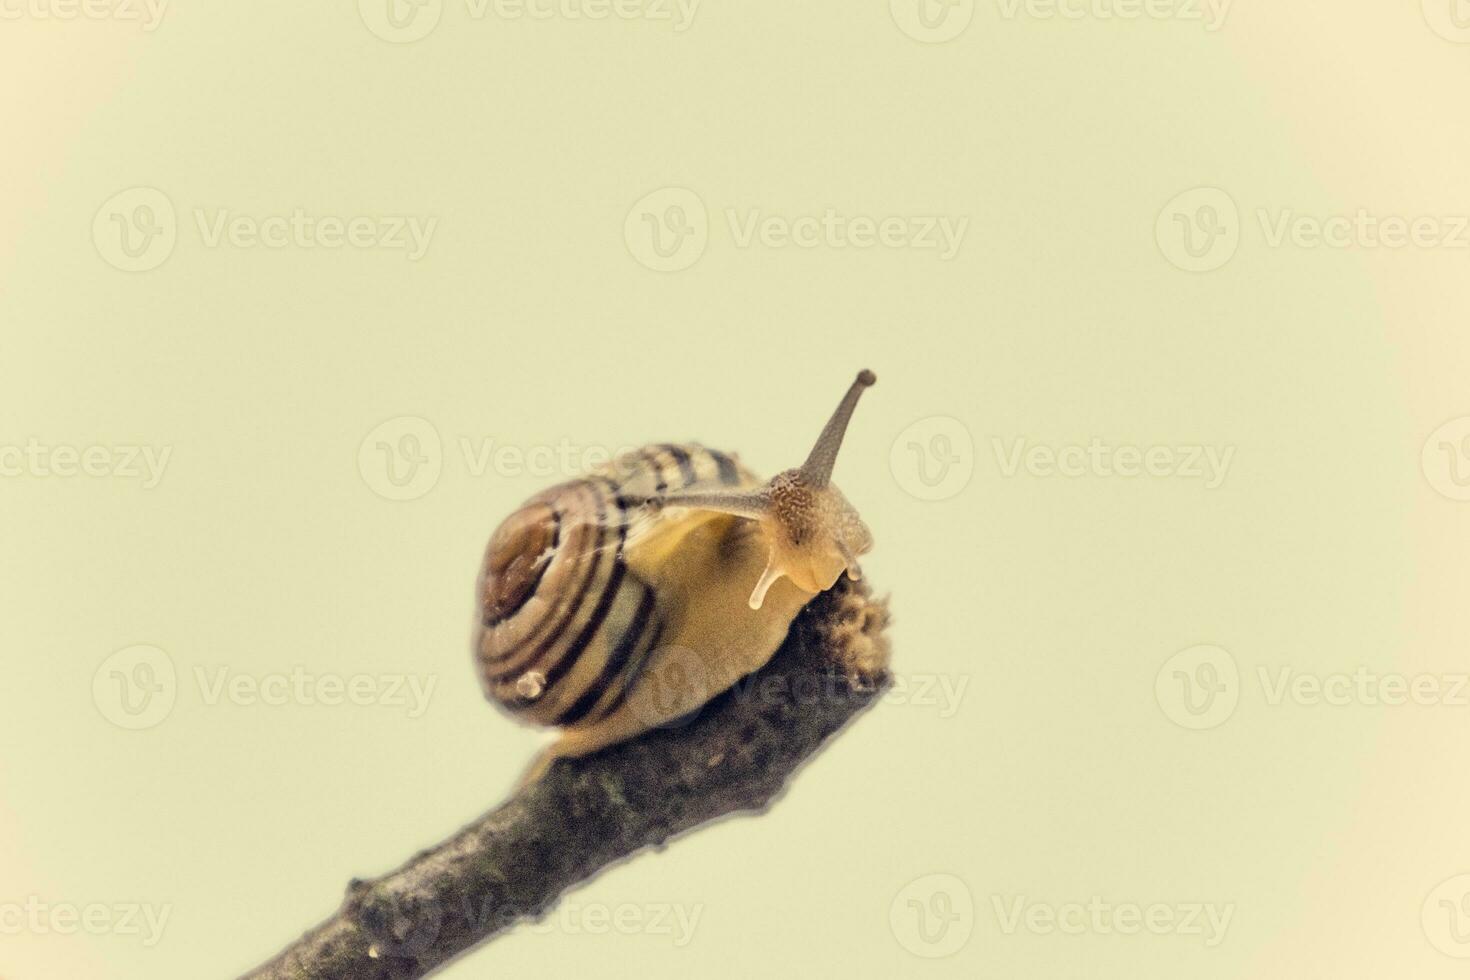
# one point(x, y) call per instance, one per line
point(530, 685)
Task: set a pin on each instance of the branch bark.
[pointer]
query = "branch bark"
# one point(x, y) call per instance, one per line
point(735, 755)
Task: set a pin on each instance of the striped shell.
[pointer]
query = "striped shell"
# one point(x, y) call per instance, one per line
point(566, 626)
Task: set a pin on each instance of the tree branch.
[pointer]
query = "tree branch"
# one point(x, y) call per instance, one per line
point(735, 755)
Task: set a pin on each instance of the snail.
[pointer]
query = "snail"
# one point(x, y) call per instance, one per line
point(620, 601)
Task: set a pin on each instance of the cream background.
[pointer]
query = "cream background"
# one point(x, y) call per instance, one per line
point(1056, 601)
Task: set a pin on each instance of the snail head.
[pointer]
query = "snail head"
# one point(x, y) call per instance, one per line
point(814, 534)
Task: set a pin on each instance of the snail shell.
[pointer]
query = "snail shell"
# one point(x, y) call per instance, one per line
point(618, 601)
point(568, 626)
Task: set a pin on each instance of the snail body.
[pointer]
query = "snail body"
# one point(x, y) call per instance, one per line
point(622, 600)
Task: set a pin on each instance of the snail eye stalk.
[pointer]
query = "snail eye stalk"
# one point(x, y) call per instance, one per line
point(811, 526)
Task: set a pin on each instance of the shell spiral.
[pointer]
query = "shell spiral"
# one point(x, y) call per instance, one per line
point(565, 626)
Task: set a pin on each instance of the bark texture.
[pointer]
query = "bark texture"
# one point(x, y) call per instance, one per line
point(733, 756)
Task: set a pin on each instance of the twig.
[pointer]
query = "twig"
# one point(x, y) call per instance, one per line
point(514, 862)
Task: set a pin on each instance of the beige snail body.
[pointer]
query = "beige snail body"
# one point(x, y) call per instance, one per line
point(619, 601)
